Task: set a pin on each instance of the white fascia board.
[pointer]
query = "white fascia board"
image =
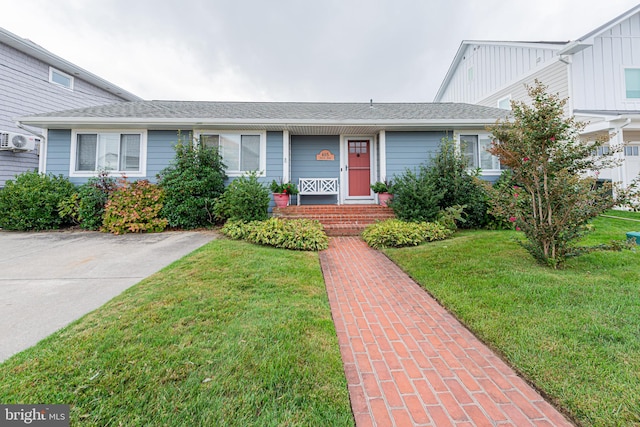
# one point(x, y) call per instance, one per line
point(72, 122)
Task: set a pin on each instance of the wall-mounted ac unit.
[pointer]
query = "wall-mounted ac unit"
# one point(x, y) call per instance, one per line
point(17, 142)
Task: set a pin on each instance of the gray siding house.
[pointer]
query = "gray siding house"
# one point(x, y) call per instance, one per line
point(351, 144)
point(33, 80)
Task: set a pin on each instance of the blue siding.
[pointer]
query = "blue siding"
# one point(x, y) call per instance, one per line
point(410, 150)
point(304, 149)
point(59, 153)
point(160, 150)
point(274, 156)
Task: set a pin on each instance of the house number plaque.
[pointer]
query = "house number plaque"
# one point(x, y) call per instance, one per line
point(325, 155)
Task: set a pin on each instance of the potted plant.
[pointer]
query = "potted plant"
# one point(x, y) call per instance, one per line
point(383, 190)
point(281, 192)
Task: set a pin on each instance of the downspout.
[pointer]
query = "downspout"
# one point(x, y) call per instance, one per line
point(42, 148)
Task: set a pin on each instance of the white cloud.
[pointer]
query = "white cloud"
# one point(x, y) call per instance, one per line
point(334, 50)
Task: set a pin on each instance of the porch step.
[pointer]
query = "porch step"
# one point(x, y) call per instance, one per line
point(342, 220)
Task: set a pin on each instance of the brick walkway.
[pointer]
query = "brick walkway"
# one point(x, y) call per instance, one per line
point(408, 361)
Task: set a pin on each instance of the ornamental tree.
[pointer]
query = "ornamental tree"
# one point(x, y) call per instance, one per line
point(555, 191)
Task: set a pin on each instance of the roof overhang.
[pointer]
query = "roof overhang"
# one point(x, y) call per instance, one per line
point(307, 127)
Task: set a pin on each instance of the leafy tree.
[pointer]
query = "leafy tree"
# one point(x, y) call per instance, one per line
point(555, 196)
point(192, 183)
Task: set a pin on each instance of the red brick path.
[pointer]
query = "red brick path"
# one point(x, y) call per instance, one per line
point(408, 362)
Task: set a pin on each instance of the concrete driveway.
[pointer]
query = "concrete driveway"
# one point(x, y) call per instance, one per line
point(47, 280)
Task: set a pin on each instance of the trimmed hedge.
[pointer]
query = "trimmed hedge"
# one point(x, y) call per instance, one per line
point(295, 234)
point(396, 233)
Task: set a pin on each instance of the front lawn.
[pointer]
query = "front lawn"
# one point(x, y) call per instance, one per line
point(574, 333)
point(232, 335)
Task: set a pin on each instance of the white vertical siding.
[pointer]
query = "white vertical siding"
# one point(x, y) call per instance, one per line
point(494, 67)
point(598, 70)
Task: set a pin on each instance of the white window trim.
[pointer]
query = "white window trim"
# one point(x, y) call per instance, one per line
point(484, 134)
point(504, 98)
point(624, 82)
point(262, 171)
point(142, 173)
point(71, 79)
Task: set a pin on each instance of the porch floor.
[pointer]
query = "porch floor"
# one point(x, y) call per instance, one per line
point(338, 220)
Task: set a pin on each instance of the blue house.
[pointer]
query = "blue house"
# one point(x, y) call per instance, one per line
point(337, 149)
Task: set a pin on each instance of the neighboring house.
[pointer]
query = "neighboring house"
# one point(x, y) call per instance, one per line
point(357, 144)
point(599, 73)
point(33, 80)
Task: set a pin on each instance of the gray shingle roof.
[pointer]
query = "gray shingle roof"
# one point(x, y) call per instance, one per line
point(280, 111)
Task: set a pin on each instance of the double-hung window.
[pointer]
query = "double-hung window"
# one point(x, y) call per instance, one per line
point(117, 152)
point(474, 148)
point(241, 151)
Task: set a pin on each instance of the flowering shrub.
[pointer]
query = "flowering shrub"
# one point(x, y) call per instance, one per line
point(134, 208)
point(394, 233)
point(31, 202)
point(554, 198)
point(296, 234)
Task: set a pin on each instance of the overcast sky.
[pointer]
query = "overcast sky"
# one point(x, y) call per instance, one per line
point(288, 50)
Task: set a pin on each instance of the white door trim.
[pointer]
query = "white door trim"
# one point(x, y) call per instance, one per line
point(344, 168)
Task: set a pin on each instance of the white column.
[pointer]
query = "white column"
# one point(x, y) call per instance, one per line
point(382, 142)
point(286, 153)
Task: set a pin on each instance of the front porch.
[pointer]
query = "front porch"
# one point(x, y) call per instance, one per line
point(338, 220)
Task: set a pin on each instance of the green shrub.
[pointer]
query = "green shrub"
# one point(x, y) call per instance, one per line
point(503, 195)
point(440, 184)
point(93, 197)
point(192, 183)
point(221, 209)
point(296, 234)
point(134, 207)
point(247, 199)
point(86, 206)
point(397, 233)
point(31, 202)
point(236, 229)
point(449, 170)
point(415, 197)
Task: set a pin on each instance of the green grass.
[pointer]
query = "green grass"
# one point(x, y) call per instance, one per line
point(574, 333)
point(232, 335)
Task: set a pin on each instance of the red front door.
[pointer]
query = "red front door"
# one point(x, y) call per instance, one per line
point(359, 167)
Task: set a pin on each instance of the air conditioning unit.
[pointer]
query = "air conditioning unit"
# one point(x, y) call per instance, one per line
point(17, 142)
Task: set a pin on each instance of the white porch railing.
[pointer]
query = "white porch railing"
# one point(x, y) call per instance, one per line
point(319, 187)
